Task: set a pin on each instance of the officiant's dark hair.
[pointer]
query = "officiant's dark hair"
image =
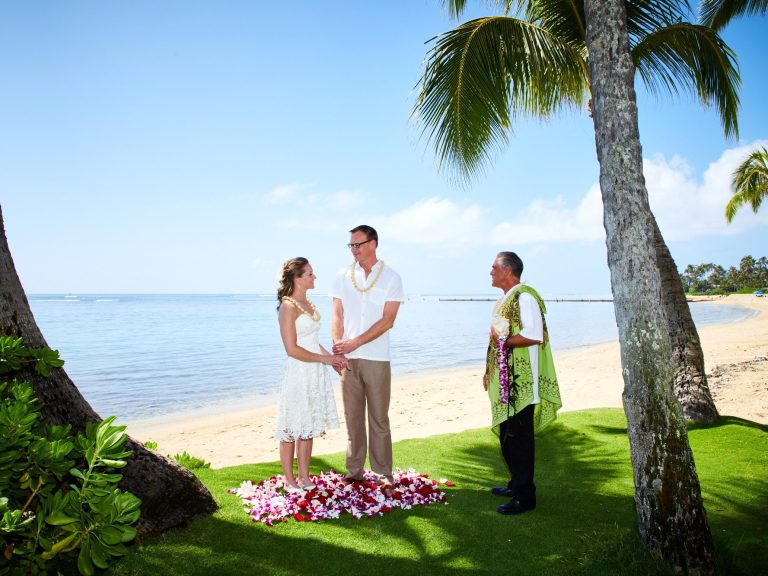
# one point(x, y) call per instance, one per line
point(512, 261)
point(370, 233)
point(292, 268)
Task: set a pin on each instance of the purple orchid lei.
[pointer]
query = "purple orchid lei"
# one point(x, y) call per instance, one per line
point(501, 360)
point(269, 503)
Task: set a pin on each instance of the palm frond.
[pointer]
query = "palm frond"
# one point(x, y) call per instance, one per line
point(750, 182)
point(563, 18)
point(482, 74)
point(646, 16)
point(456, 7)
point(694, 58)
point(717, 13)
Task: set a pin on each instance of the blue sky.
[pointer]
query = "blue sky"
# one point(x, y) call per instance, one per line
point(192, 147)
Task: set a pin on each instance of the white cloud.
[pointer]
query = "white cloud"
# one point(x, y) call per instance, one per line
point(284, 193)
point(686, 208)
point(445, 225)
point(438, 223)
point(345, 199)
point(546, 221)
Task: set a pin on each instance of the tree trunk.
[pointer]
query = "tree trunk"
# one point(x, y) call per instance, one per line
point(671, 516)
point(690, 381)
point(170, 495)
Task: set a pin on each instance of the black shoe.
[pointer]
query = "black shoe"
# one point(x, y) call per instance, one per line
point(502, 491)
point(515, 506)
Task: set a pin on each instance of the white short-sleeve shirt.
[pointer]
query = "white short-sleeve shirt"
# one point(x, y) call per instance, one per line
point(532, 327)
point(363, 309)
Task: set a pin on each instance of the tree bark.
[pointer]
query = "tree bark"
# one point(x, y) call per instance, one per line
point(671, 516)
point(690, 381)
point(170, 495)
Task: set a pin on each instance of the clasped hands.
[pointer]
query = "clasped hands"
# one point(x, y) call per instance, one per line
point(340, 350)
point(339, 362)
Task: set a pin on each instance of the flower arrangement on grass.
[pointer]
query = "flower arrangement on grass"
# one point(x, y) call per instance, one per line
point(268, 501)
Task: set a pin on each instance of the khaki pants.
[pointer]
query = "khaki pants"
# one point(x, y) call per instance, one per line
point(368, 382)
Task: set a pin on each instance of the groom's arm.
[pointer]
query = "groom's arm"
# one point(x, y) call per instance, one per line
point(337, 320)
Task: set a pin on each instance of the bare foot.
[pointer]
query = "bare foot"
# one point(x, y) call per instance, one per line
point(306, 483)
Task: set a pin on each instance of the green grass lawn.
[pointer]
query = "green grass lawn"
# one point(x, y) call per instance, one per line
point(585, 521)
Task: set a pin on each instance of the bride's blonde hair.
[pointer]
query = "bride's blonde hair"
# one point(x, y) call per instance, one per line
point(292, 268)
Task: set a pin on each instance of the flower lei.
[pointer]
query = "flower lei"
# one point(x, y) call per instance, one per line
point(501, 360)
point(315, 314)
point(268, 502)
point(372, 284)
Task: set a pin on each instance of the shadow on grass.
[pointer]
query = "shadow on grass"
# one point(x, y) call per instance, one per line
point(584, 524)
point(727, 421)
point(585, 509)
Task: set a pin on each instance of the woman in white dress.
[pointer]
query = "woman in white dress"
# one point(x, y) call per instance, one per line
point(307, 407)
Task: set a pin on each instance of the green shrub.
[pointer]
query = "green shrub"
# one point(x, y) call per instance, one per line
point(60, 508)
point(190, 462)
point(184, 459)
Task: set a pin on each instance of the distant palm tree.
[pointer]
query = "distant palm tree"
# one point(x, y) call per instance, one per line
point(750, 182)
point(717, 13)
point(486, 72)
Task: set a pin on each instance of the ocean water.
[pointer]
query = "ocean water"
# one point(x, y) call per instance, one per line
point(145, 356)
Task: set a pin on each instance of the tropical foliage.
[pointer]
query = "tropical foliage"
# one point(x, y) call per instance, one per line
point(717, 13)
point(711, 278)
point(60, 508)
point(485, 72)
point(750, 183)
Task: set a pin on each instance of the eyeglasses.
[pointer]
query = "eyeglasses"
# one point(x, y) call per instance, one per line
point(357, 245)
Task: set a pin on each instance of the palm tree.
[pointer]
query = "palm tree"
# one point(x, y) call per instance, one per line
point(170, 495)
point(750, 183)
point(671, 516)
point(485, 72)
point(481, 74)
point(717, 13)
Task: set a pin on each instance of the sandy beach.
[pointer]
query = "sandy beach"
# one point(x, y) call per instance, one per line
point(438, 402)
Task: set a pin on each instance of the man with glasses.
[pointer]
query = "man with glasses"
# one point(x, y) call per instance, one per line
point(366, 298)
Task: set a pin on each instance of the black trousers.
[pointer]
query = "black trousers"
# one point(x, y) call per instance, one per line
point(516, 439)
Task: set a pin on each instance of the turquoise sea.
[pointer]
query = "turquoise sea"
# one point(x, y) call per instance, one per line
point(145, 356)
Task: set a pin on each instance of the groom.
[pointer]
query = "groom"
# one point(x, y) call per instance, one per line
point(366, 298)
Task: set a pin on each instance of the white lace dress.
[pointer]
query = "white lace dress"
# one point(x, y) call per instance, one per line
point(307, 407)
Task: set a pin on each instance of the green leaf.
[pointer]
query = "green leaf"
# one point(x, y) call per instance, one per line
point(113, 463)
point(58, 547)
point(127, 533)
point(76, 473)
point(111, 535)
point(84, 563)
point(99, 556)
point(59, 519)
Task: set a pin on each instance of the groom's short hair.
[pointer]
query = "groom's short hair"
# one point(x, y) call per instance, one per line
point(370, 233)
point(512, 261)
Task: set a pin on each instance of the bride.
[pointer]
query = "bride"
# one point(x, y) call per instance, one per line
point(307, 407)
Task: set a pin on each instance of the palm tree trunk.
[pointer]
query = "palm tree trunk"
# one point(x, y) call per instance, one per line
point(671, 516)
point(170, 495)
point(690, 381)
